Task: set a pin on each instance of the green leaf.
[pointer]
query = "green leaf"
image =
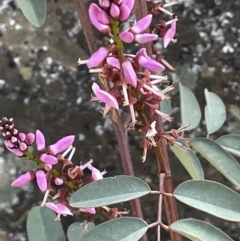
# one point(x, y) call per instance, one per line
point(108, 191)
point(189, 160)
point(215, 112)
point(210, 197)
point(230, 143)
point(165, 107)
point(34, 11)
point(190, 110)
point(119, 229)
point(77, 230)
point(41, 225)
point(219, 158)
point(197, 230)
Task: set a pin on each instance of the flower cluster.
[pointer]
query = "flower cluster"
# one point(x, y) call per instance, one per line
point(134, 79)
point(49, 159)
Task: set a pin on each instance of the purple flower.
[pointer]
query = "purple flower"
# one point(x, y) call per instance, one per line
point(98, 57)
point(169, 35)
point(114, 10)
point(145, 37)
point(105, 97)
point(126, 9)
point(11, 148)
point(58, 181)
point(48, 159)
point(94, 12)
point(142, 24)
point(59, 208)
point(114, 62)
point(146, 62)
point(126, 36)
point(129, 73)
point(41, 180)
point(40, 140)
point(30, 138)
point(104, 3)
point(23, 179)
point(61, 145)
point(91, 210)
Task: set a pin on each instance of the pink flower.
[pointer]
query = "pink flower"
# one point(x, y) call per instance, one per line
point(94, 12)
point(41, 180)
point(105, 97)
point(114, 62)
point(146, 62)
point(97, 57)
point(126, 36)
point(126, 9)
point(49, 159)
point(114, 10)
point(129, 73)
point(59, 208)
point(23, 179)
point(90, 210)
point(61, 145)
point(169, 35)
point(142, 24)
point(40, 140)
point(145, 37)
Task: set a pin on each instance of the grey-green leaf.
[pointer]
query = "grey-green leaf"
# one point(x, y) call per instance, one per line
point(165, 107)
point(190, 110)
point(34, 11)
point(210, 197)
point(189, 160)
point(119, 229)
point(219, 158)
point(230, 143)
point(108, 191)
point(41, 225)
point(77, 230)
point(197, 230)
point(215, 112)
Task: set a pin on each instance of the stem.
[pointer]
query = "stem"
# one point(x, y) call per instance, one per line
point(141, 10)
point(54, 172)
point(86, 25)
point(164, 167)
point(161, 178)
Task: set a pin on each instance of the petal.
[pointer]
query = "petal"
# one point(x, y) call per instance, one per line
point(128, 3)
point(150, 64)
point(145, 38)
point(61, 145)
point(41, 180)
point(23, 179)
point(114, 10)
point(104, 3)
point(62, 209)
point(103, 17)
point(104, 96)
point(126, 37)
point(22, 146)
point(96, 174)
point(15, 151)
point(129, 73)
point(52, 206)
point(114, 62)
point(40, 140)
point(169, 35)
point(9, 144)
point(97, 57)
point(124, 13)
point(22, 136)
point(49, 159)
point(58, 181)
point(30, 139)
point(142, 24)
point(91, 210)
point(94, 12)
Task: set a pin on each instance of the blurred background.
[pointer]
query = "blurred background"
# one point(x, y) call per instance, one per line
point(42, 87)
